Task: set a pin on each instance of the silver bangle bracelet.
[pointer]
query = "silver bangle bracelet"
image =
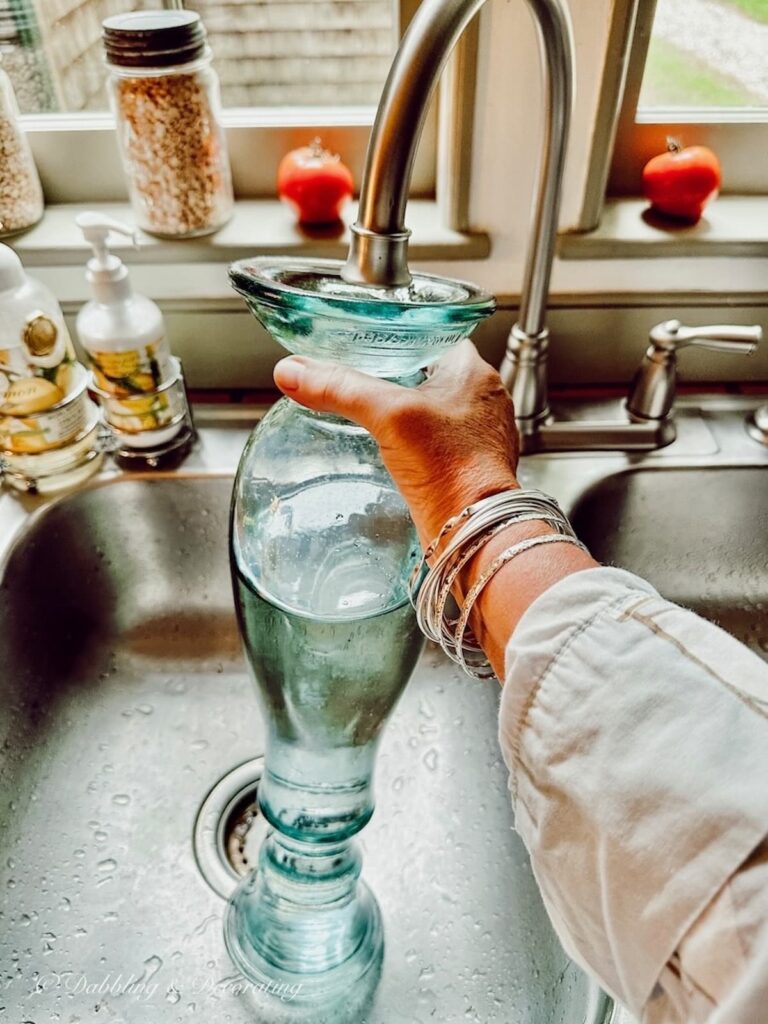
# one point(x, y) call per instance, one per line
point(481, 515)
point(498, 563)
point(462, 537)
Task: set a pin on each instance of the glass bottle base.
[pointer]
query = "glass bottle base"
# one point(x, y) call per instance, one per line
point(344, 947)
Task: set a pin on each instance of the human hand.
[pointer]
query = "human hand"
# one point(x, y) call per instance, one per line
point(447, 443)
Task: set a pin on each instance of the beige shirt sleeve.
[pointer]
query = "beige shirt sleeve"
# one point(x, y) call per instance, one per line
point(636, 737)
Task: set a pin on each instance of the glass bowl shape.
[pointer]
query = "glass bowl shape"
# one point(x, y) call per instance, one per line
point(390, 332)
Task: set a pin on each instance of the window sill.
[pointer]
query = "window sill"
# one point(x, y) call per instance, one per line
point(731, 226)
point(259, 226)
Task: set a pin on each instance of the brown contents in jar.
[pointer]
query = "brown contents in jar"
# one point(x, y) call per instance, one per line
point(179, 171)
point(21, 198)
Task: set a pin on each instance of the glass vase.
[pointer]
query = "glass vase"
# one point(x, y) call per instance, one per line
point(321, 548)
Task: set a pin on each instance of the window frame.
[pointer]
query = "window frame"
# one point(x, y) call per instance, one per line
point(78, 161)
point(739, 137)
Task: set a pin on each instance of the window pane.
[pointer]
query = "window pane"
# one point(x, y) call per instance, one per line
point(707, 53)
point(267, 52)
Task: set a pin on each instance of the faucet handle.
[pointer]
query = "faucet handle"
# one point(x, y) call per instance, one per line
point(672, 335)
point(653, 389)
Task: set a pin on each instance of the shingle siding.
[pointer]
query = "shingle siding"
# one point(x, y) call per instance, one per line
point(267, 52)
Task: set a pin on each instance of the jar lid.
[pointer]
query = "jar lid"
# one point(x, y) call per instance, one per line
point(152, 39)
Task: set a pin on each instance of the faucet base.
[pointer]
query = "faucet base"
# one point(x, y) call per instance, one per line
point(585, 435)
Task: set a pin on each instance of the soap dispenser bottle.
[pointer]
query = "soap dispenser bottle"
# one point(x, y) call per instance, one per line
point(138, 382)
point(122, 332)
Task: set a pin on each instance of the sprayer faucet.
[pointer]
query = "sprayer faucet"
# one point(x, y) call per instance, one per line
point(379, 246)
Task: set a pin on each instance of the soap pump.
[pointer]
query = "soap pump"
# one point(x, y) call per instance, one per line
point(139, 383)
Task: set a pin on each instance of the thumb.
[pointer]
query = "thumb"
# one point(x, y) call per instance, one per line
point(333, 387)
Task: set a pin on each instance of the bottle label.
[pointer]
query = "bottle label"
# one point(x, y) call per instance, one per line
point(26, 387)
point(135, 371)
point(45, 429)
point(136, 413)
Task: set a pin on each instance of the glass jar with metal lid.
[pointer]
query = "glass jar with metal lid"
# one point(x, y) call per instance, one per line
point(165, 96)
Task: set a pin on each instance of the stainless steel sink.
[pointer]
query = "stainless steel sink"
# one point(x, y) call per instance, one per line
point(126, 701)
point(698, 534)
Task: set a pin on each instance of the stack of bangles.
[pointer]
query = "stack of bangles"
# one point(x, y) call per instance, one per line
point(461, 538)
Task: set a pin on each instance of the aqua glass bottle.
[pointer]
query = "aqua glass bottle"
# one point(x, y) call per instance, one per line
point(321, 547)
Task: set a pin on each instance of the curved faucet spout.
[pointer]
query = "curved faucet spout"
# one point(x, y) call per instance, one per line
point(379, 248)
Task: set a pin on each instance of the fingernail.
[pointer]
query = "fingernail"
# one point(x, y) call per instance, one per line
point(288, 374)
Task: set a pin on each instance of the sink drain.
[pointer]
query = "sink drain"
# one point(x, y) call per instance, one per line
point(230, 828)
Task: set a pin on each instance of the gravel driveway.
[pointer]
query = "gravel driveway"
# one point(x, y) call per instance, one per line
point(722, 37)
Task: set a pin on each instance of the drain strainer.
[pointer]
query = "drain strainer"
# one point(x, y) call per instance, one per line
point(230, 828)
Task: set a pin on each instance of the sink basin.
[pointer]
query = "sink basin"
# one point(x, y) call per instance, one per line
point(126, 701)
point(696, 533)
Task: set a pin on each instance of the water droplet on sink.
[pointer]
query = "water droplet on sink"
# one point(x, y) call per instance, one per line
point(79, 854)
point(173, 995)
point(430, 759)
point(176, 686)
point(25, 920)
point(410, 955)
point(426, 973)
point(111, 915)
point(153, 964)
point(80, 932)
point(121, 799)
point(107, 865)
point(398, 783)
point(100, 836)
point(145, 709)
point(426, 709)
point(199, 744)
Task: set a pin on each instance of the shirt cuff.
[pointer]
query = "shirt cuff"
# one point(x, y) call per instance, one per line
point(637, 747)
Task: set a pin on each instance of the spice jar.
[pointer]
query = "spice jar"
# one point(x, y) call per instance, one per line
point(21, 197)
point(165, 97)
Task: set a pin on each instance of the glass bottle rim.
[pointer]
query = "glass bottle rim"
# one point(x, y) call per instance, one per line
point(276, 281)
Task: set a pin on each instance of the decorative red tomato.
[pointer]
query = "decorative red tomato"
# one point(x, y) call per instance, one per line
point(682, 181)
point(315, 183)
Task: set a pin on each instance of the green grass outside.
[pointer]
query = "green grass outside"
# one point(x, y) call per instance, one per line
point(757, 9)
point(674, 78)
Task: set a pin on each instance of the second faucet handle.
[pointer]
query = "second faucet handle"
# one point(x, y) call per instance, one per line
point(672, 335)
point(653, 390)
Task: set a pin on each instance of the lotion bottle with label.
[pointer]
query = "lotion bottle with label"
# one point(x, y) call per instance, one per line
point(123, 333)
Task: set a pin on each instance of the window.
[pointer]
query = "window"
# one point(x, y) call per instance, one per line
point(289, 70)
point(698, 71)
point(268, 52)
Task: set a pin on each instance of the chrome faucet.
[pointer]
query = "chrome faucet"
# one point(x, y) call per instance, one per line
point(378, 252)
point(379, 246)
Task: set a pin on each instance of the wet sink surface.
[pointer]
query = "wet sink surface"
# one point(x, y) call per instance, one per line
point(126, 699)
point(697, 534)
